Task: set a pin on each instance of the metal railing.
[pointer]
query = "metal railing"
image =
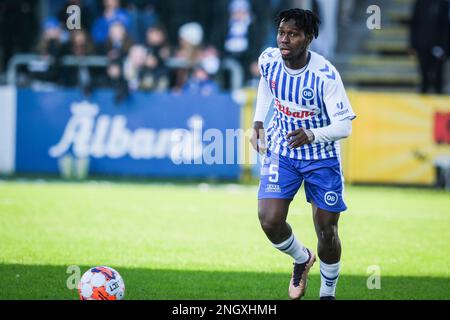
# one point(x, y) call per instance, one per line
point(230, 65)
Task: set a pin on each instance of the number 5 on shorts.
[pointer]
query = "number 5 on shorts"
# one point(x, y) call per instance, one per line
point(273, 172)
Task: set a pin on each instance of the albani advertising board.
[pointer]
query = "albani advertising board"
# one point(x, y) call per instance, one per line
point(148, 135)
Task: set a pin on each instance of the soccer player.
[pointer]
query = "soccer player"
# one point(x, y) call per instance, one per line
point(311, 113)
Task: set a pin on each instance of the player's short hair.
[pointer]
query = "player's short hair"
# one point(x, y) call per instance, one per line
point(305, 20)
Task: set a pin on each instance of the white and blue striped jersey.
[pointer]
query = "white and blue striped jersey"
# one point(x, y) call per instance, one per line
point(312, 98)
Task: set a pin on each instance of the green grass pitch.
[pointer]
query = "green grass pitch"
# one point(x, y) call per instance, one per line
point(190, 242)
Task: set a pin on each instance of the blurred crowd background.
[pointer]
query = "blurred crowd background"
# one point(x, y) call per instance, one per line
point(92, 87)
point(161, 45)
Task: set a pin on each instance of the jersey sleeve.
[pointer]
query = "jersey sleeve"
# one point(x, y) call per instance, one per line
point(335, 98)
point(265, 58)
point(263, 101)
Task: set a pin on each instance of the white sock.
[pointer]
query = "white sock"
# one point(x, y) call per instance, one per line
point(329, 275)
point(294, 248)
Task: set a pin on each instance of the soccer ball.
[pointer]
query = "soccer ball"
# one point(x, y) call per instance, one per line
point(101, 283)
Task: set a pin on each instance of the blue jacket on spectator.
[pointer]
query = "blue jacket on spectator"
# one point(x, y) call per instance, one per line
point(204, 87)
point(101, 25)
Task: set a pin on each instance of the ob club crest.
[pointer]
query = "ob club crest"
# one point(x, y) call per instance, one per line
point(308, 94)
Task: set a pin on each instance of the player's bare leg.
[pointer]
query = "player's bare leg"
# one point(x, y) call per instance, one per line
point(328, 249)
point(272, 216)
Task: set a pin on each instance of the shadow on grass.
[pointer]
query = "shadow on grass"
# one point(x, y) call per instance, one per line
point(49, 282)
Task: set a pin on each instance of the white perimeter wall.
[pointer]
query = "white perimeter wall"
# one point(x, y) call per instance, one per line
point(8, 107)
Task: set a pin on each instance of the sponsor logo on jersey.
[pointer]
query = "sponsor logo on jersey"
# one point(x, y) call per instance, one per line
point(303, 114)
point(340, 106)
point(341, 113)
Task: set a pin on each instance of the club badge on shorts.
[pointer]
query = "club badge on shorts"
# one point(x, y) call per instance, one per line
point(331, 198)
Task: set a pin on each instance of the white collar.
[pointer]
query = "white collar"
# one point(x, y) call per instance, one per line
point(295, 72)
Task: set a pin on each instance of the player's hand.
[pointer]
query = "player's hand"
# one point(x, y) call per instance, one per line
point(258, 138)
point(299, 137)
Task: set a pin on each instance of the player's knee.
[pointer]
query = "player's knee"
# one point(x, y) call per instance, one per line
point(328, 236)
point(269, 221)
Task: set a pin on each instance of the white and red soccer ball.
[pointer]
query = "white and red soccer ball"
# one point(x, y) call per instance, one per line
point(101, 283)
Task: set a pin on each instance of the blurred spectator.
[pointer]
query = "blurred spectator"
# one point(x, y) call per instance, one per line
point(141, 71)
point(118, 42)
point(190, 41)
point(429, 41)
point(188, 51)
point(210, 60)
point(79, 46)
point(117, 46)
point(134, 66)
point(158, 51)
point(51, 41)
point(50, 49)
point(240, 29)
point(201, 80)
point(237, 41)
point(111, 14)
point(175, 13)
point(143, 16)
point(201, 83)
point(117, 81)
point(157, 43)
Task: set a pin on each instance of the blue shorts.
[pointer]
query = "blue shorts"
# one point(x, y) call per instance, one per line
point(281, 177)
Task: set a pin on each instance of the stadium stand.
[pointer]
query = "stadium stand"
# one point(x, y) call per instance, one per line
point(378, 59)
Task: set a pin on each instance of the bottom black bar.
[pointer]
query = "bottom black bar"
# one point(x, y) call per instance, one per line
point(224, 309)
